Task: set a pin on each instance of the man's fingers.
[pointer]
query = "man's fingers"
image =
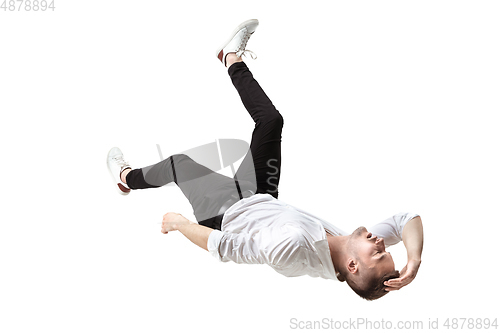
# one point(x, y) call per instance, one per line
point(403, 280)
point(393, 287)
point(164, 228)
point(398, 283)
point(393, 281)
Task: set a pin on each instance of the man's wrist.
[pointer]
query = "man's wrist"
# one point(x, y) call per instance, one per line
point(182, 225)
point(415, 259)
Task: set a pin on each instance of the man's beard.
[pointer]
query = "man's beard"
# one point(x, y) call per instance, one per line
point(352, 241)
point(358, 232)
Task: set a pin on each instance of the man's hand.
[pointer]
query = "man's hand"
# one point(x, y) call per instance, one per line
point(198, 234)
point(408, 273)
point(413, 238)
point(171, 221)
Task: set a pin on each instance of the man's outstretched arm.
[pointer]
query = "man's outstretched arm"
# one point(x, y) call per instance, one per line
point(282, 247)
point(413, 239)
point(198, 234)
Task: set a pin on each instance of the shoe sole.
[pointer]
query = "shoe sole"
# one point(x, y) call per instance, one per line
point(241, 26)
point(116, 186)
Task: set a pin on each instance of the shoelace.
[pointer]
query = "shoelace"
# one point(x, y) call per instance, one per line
point(241, 49)
point(120, 161)
point(245, 52)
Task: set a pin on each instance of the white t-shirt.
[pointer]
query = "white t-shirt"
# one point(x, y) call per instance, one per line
point(263, 230)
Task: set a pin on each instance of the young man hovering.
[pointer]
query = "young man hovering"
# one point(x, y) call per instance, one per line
point(240, 219)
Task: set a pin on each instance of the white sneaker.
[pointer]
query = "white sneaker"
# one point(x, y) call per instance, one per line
point(116, 164)
point(238, 41)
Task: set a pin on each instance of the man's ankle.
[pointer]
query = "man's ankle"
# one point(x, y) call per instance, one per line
point(231, 58)
point(123, 175)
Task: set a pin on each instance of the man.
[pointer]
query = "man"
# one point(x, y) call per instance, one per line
point(240, 219)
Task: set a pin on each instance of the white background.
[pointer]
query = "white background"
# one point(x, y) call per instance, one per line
point(389, 106)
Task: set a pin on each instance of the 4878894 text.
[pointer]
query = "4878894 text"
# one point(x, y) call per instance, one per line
point(27, 5)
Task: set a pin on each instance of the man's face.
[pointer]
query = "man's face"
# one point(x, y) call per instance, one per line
point(370, 251)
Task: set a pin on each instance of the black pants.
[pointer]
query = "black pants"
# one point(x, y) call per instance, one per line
point(259, 171)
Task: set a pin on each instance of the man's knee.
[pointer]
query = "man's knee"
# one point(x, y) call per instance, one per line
point(275, 119)
point(179, 157)
point(279, 119)
point(176, 160)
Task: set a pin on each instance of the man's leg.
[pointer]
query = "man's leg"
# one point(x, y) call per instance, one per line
point(263, 162)
point(205, 189)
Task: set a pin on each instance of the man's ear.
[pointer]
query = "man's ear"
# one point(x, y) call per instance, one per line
point(352, 266)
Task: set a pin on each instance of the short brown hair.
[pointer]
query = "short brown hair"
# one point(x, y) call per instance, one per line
point(373, 289)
